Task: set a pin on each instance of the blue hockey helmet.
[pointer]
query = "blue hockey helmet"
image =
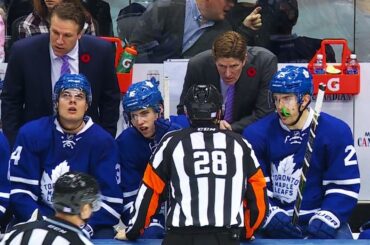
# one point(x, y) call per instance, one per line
point(142, 95)
point(72, 81)
point(292, 79)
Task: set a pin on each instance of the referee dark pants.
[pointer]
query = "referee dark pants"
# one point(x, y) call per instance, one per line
point(202, 236)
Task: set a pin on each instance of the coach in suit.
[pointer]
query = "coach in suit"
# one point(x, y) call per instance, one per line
point(35, 64)
point(241, 74)
point(173, 29)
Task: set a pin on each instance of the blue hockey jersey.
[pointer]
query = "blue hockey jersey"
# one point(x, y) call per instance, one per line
point(4, 181)
point(333, 179)
point(135, 151)
point(43, 152)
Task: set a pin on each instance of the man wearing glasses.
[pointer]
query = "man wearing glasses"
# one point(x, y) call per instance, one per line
point(242, 74)
point(48, 147)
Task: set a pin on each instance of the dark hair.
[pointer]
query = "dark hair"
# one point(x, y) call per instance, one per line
point(230, 45)
point(70, 11)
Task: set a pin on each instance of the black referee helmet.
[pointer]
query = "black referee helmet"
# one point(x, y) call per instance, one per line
point(203, 103)
point(72, 190)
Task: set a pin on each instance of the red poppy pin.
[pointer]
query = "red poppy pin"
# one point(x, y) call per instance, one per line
point(251, 72)
point(85, 58)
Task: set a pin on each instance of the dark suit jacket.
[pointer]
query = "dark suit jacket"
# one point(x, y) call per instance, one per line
point(159, 33)
point(251, 90)
point(27, 92)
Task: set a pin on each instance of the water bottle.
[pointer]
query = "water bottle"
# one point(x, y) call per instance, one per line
point(127, 60)
point(352, 65)
point(318, 67)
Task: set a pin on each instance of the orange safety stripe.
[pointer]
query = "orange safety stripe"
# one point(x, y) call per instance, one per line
point(259, 187)
point(154, 182)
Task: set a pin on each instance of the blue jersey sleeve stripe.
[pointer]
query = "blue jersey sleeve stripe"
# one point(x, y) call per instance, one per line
point(2, 209)
point(341, 191)
point(342, 182)
point(24, 180)
point(4, 195)
point(128, 206)
point(112, 199)
point(17, 191)
point(130, 193)
point(110, 210)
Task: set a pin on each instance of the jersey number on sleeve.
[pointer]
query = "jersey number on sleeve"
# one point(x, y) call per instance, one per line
point(347, 159)
point(202, 162)
point(16, 155)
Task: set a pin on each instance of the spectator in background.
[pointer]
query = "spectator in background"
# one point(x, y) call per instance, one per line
point(246, 18)
point(38, 21)
point(143, 105)
point(100, 11)
point(279, 141)
point(4, 182)
point(216, 184)
point(76, 196)
point(35, 64)
point(287, 46)
point(242, 74)
point(275, 32)
point(48, 147)
point(179, 28)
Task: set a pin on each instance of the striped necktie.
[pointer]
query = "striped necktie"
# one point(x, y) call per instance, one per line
point(65, 65)
point(229, 104)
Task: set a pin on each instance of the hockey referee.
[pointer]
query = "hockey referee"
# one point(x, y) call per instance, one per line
point(215, 183)
point(76, 196)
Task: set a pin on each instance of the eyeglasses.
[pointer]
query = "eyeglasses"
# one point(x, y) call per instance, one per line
point(75, 95)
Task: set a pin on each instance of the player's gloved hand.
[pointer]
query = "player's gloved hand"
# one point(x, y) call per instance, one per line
point(87, 230)
point(161, 128)
point(323, 225)
point(278, 224)
point(365, 231)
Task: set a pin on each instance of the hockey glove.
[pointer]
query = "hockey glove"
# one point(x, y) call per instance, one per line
point(278, 225)
point(87, 230)
point(161, 128)
point(323, 225)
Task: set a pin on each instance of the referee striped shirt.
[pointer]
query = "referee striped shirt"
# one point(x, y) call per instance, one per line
point(50, 231)
point(214, 180)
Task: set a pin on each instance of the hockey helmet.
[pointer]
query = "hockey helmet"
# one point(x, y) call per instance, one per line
point(292, 79)
point(72, 81)
point(142, 95)
point(203, 102)
point(72, 190)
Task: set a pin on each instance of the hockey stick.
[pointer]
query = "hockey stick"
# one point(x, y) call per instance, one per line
point(166, 97)
point(308, 153)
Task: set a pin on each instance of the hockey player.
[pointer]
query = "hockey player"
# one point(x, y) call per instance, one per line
point(70, 141)
point(210, 172)
point(4, 181)
point(280, 140)
point(143, 106)
point(76, 196)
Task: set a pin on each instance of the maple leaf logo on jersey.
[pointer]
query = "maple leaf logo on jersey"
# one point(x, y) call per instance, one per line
point(285, 179)
point(47, 182)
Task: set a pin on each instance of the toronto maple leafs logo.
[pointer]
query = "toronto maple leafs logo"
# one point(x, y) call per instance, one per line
point(47, 182)
point(285, 179)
